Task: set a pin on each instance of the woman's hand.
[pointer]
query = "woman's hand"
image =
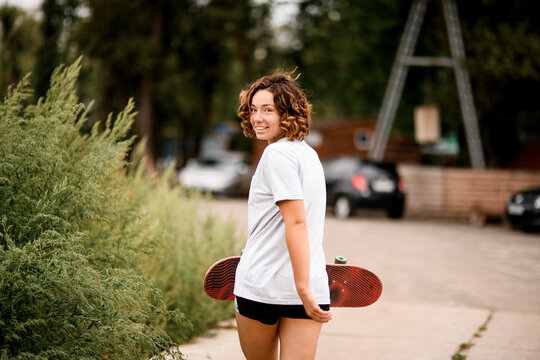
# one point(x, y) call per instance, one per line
point(313, 309)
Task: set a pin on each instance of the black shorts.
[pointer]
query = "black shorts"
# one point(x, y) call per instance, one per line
point(269, 314)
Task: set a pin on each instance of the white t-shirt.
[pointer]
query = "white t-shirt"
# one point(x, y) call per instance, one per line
point(288, 170)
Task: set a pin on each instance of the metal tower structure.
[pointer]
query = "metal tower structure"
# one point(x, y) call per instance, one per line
point(405, 59)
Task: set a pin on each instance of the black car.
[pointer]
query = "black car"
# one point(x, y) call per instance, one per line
point(353, 183)
point(523, 210)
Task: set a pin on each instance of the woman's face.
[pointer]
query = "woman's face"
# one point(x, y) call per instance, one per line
point(265, 117)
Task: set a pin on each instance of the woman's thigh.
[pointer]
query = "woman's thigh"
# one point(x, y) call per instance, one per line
point(258, 341)
point(298, 338)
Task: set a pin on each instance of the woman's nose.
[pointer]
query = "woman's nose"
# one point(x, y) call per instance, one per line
point(256, 116)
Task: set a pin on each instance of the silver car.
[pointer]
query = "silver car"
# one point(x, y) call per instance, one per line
point(226, 174)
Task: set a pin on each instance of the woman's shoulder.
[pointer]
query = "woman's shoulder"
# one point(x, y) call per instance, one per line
point(282, 147)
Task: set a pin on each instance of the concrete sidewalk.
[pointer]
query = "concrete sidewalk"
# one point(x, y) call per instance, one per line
point(445, 284)
point(390, 331)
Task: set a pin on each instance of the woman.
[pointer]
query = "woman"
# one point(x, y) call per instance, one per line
point(281, 284)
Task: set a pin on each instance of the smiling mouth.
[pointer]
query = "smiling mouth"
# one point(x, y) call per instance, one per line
point(260, 128)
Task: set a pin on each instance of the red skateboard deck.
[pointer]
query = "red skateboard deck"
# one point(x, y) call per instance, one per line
point(350, 286)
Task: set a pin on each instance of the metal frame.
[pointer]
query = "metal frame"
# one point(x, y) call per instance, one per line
point(405, 59)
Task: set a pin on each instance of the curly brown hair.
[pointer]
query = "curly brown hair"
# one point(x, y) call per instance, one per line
point(289, 100)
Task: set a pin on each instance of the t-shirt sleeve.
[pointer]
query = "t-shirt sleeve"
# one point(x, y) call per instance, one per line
point(282, 174)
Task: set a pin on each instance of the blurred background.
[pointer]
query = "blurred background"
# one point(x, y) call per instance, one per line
point(185, 61)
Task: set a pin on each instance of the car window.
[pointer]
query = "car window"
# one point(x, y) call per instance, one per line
point(370, 170)
point(339, 168)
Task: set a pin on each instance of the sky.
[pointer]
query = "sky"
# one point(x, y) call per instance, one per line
point(282, 13)
point(25, 4)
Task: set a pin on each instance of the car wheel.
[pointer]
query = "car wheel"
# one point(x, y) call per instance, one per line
point(395, 212)
point(342, 207)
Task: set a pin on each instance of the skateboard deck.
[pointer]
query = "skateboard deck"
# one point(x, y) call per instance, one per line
point(350, 286)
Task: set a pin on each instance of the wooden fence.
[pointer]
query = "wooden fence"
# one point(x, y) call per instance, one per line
point(462, 193)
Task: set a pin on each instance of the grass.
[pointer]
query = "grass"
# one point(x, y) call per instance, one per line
point(464, 347)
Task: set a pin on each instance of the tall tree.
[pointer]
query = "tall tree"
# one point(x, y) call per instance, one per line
point(124, 40)
point(218, 54)
point(503, 46)
point(347, 49)
point(18, 34)
point(343, 52)
point(175, 57)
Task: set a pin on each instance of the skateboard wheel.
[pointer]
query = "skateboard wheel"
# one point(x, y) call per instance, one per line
point(340, 259)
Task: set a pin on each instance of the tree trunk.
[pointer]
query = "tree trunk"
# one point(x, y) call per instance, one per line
point(145, 122)
point(146, 119)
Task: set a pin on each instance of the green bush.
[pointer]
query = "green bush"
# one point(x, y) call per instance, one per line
point(73, 238)
point(192, 241)
point(82, 232)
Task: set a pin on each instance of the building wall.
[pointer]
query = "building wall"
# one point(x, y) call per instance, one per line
point(431, 191)
point(352, 137)
point(462, 193)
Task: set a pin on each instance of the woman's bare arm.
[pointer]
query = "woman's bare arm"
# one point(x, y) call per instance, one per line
point(296, 236)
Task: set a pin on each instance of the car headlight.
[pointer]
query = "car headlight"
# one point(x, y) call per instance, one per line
point(537, 203)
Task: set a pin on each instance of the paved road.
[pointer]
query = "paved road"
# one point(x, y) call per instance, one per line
point(443, 263)
point(445, 284)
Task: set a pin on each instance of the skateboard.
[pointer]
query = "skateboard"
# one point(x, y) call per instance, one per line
point(350, 286)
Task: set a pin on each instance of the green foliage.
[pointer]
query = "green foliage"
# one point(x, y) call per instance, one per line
point(346, 50)
point(71, 237)
point(186, 54)
point(80, 237)
point(189, 59)
point(192, 240)
point(356, 40)
point(503, 55)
